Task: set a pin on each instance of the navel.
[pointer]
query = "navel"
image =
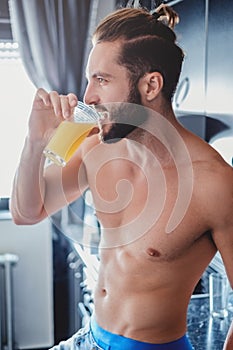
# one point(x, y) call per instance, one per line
point(103, 290)
point(153, 252)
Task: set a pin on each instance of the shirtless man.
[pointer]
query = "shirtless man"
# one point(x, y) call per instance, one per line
point(163, 196)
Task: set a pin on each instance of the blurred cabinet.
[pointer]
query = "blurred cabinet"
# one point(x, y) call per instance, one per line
point(32, 281)
point(219, 93)
point(191, 37)
point(205, 87)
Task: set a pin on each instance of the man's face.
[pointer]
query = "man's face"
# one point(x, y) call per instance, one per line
point(108, 84)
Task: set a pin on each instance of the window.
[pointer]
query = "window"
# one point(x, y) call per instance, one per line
point(16, 95)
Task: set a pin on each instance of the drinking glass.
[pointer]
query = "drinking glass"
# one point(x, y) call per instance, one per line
point(70, 134)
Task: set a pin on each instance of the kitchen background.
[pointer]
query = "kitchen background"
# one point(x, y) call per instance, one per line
point(46, 276)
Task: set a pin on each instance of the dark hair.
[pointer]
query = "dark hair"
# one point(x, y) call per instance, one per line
point(148, 43)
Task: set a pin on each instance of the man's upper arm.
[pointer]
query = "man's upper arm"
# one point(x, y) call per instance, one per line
point(223, 223)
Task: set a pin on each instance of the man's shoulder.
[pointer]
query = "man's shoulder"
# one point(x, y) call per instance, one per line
point(215, 183)
point(223, 182)
point(213, 172)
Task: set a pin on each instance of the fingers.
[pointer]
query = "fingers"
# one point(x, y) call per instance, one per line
point(42, 96)
point(68, 102)
point(56, 103)
point(94, 131)
point(72, 99)
point(63, 105)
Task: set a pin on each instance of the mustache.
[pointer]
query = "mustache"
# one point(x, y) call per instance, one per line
point(103, 111)
point(125, 113)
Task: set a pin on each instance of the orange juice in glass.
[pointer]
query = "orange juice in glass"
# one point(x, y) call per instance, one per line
point(69, 135)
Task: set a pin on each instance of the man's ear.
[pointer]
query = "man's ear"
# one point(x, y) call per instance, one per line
point(150, 85)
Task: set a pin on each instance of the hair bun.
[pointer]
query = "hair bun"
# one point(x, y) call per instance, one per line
point(166, 14)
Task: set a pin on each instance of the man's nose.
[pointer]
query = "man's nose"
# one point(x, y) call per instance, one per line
point(90, 96)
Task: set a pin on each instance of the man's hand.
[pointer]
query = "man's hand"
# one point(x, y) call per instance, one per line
point(48, 111)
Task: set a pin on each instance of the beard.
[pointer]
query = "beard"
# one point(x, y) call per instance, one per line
point(124, 118)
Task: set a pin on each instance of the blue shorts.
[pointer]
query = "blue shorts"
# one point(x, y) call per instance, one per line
point(111, 341)
point(93, 337)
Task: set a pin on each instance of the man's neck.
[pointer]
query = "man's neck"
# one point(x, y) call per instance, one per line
point(160, 134)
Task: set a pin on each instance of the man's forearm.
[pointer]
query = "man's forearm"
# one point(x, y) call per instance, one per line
point(26, 203)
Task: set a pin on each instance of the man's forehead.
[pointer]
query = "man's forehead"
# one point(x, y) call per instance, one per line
point(105, 49)
point(102, 58)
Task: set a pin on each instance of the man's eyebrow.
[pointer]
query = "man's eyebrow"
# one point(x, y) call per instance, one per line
point(102, 74)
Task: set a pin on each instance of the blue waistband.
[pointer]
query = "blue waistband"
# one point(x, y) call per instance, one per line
point(111, 341)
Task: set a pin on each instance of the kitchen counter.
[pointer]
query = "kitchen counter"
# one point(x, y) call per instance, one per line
point(206, 332)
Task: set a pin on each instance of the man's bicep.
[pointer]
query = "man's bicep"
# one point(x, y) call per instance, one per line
point(223, 238)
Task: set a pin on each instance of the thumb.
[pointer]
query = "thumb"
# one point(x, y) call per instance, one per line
point(95, 130)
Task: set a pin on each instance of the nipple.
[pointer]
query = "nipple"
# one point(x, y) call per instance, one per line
point(153, 252)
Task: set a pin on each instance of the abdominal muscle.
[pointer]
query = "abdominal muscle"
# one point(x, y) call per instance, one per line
point(146, 301)
point(144, 286)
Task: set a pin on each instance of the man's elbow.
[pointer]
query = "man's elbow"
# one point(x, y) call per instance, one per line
point(19, 219)
point(22, 221)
